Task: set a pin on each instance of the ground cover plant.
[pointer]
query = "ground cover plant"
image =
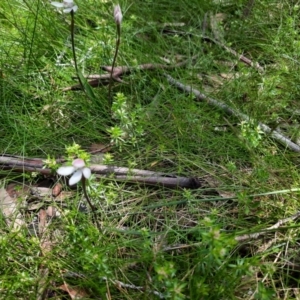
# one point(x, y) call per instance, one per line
point(179, 126)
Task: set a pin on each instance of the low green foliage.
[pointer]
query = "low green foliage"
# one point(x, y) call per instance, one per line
point(155, 242)
point(129, 128)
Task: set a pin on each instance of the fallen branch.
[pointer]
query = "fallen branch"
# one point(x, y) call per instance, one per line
point(241, 238)
point(240, 57)
point(104, 79)
point(127, 175)
point(256, 235)
point(230, 111)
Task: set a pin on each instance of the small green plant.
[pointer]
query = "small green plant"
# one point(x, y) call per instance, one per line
point(51, 163)
point(251, 133)
point(129, 129)
point(166, 275)
point(108, 158)
point(75, 151)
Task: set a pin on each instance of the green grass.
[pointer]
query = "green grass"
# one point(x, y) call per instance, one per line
point(178, 243)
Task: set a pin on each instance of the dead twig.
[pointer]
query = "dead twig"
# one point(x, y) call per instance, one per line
point(240, 57)
point(121, 285)
point(127, 175)
point(10, 209)
point(116, 73)
point(230, 111)
point(256, 235)
point(241, 238)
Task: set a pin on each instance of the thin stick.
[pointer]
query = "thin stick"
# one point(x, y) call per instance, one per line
point(95, 80)
point(120, 284)
point(230, 111)
point(240, 57)
point(128, 175)
point(241, 238)
point(256, 235)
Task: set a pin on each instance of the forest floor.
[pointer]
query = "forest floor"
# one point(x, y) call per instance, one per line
point(193, 147)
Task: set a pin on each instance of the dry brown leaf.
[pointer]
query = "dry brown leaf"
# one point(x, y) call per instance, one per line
point(45, 242)
point(9, 207)
point(56, 190)
point(216, 80)
point(34, 206)
point(64, 195)
point(41, 193)
point(230, 75)
point(48, 194)
point(18, 190)
point(74, 292)
point(94, 148)
point(42, 221)
point(52, 212)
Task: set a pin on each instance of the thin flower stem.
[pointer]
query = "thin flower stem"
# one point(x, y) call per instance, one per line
point(73, 48)
point(89, 202)
point(114, 62)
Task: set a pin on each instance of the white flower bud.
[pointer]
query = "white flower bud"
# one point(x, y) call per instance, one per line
point(118, 14)
point(68, 6)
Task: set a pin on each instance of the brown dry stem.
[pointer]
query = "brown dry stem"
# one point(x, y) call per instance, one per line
point(22, 164)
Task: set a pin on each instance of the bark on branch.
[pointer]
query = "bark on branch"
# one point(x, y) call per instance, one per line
point(230, 111)
point(22, 164)
point(97, 80)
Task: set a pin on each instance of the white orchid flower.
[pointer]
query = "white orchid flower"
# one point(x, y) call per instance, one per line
point(68, 6)
point(78, 169)
point(118, 14)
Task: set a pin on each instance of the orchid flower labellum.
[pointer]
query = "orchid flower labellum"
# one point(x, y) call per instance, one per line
point(78, 169)
point(68, 6)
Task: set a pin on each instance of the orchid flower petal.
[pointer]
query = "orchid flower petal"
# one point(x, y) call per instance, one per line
point(67, 10)
point(86, 173)
point(65, 171)
point(57, 4)
point(68, 3)
point(78, 163)
point(76, 177)
point(68, 6)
